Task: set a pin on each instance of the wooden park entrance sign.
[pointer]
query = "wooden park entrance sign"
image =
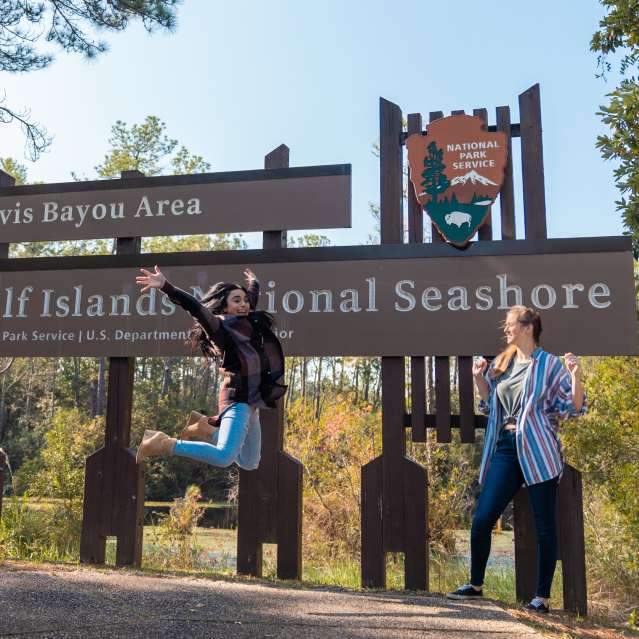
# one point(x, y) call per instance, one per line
point(394, 300)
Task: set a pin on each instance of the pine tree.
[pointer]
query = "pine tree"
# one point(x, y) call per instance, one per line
point(28, 28)
point(435, 180)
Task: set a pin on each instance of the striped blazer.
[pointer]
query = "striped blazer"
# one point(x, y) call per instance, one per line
point(546, 399)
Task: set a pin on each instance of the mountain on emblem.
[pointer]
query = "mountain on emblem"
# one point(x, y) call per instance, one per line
point(457, 169)
point(474, 178)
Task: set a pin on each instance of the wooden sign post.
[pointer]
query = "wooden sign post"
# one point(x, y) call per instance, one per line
point(270, 497)
point(114, 483)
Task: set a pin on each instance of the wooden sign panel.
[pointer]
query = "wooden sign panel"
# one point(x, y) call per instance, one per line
point(457, 170)
point(297, 198)
point(341, 301)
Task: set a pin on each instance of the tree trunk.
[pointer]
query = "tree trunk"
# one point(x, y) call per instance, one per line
point(304, 369)
point(378, 387)
point(99, 389)
point(3, 412)
point(76, 382)
point(54, 379)
point(166, 376)
point(367, 378)
point(318, 388)
point(291, 383)
point(27, 410)
point(206, 382)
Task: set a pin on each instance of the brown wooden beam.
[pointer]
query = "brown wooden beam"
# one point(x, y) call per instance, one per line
point(610, 244)
point(485, 232)
point(532, 163)
point(114, 482)
point(6, 180)
point(507, 193)
point(270, 497)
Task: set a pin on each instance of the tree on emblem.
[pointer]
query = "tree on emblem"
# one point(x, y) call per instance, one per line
point(435, 180)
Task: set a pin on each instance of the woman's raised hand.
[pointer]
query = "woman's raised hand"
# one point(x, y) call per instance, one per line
point(249, 275)
point(573, 365)
point(150, 279)
point(479, 366)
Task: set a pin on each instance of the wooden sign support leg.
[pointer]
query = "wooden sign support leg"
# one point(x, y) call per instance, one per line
point(393, 487)
point(570, 534)
point(114, 483)
point(572, 551)
point(5, 180)
point(525, 547)
point(270, 498)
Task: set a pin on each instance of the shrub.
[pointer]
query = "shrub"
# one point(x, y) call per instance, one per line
point(172, 542)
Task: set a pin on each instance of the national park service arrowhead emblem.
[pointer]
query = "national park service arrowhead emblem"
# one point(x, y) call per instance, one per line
point(457, 170)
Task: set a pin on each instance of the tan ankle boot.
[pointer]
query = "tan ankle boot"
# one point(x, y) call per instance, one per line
point(155, 444)
point(197, 427)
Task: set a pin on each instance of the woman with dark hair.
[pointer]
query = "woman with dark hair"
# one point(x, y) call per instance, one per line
point(526, 391)
point(231, 332)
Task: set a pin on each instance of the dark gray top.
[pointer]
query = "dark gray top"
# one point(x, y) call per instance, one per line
point(510, 388)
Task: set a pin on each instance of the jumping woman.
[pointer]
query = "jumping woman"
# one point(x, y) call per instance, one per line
point(526, 391)
point(229, 331)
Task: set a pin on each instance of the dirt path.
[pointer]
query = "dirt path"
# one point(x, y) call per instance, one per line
point(61, 601)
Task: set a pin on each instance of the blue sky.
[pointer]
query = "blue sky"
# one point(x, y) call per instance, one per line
point(237, 79)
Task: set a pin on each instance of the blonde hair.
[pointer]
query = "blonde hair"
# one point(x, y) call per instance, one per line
point(527, 316)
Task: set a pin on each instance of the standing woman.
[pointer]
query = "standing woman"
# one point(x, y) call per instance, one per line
point(238, 338)
point(526, 392)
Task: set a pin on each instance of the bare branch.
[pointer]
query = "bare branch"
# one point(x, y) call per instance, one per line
point(26, 26)
point(37, 138)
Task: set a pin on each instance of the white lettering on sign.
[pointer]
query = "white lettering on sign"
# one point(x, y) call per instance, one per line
point(77, 214)
point(159, 208)
point(16, 215)
point(408, 296)
point(473, 146)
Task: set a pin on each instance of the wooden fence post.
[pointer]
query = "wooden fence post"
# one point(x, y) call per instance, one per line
point(6, 180)
point(270, 497)
point(114, 483)
point(394, 500)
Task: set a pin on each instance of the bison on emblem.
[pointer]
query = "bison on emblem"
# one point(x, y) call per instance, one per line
point(458, 218)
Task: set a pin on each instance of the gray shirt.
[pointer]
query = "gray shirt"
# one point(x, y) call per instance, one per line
point(510, 388)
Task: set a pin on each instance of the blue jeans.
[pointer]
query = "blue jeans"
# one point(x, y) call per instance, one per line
point(503, 480)
point(238, 439)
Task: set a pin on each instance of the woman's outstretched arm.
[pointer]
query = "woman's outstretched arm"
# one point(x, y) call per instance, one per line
point(156, 279)
point(252, 287)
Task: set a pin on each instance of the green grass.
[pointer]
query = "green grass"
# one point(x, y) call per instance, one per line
point(44, 502)
point(446, 573)
point(205, 504)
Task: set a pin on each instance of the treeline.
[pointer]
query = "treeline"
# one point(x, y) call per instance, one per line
point(165, 390)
